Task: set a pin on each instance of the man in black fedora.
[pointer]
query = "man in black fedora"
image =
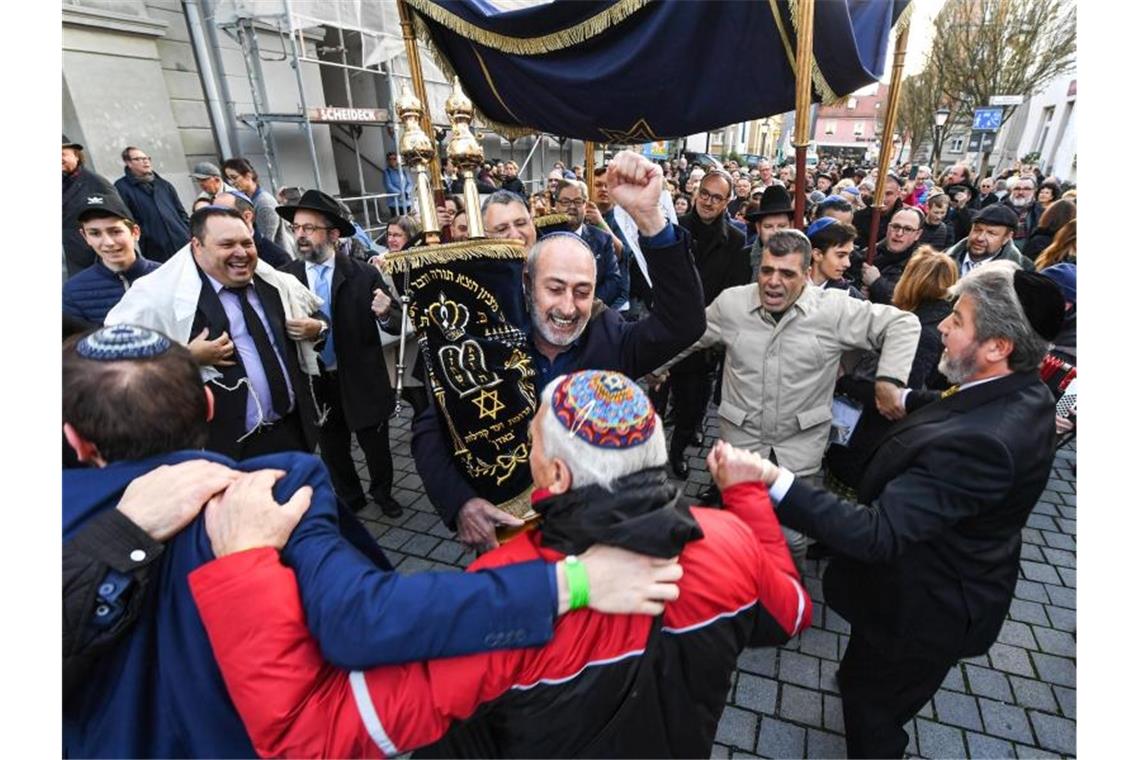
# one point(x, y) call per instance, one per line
point(79, 184)
point(774, 212)
point(352, 386)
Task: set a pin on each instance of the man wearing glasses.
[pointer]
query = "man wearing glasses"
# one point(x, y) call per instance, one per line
point(154, 204)
point(570, 199)
point(1022, 200)
point(892, 254)
point(722, 262)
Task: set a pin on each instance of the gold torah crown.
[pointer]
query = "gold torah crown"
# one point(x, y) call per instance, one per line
point(415, 144)
point(451, 317)
point(464, 148)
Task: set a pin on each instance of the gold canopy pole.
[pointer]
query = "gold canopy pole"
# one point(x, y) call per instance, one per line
point(885, 143)
point(589, 165)
point(804, 35)
point(420, 90)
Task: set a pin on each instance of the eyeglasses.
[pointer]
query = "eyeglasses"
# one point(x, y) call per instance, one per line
point(139, 158)
point(705, 195)
point(901, 228)
point(308, 229)
point(577, 202)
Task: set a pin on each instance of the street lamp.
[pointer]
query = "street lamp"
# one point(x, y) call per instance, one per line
point(940, 117)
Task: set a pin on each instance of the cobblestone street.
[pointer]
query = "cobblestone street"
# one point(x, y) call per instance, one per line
point(1017, 701)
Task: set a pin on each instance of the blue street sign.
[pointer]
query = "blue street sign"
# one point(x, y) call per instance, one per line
point(987, 119)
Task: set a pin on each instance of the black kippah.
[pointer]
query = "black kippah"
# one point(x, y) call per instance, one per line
point(112, 344)
point(1042, 302)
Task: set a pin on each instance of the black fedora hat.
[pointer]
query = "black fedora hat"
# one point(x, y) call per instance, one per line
point(69, 144)
point(315, 200)
point(774, 201)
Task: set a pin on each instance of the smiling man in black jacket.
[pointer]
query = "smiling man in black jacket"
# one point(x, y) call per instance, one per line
point(570, 330)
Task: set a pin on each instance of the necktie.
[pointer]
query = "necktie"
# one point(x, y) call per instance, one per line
point(328, 354)
point(278, 389)
point(950, 391)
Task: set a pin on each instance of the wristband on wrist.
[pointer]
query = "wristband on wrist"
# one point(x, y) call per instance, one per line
point(578, 582)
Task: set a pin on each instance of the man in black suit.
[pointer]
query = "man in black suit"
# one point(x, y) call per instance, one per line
point(926, 572)
point(353, 381)
point(723, 262)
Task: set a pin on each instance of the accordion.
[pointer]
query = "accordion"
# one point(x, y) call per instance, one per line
point(1061, 378)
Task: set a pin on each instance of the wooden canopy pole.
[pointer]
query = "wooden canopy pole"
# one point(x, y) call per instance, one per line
point(885, 144)
point(417, 73)
point(589, 166)
point(804, 36)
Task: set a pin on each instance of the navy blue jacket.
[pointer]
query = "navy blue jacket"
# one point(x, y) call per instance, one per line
point(93, 292)
point(608, 342)
point(158, 692)
point(157, 209)
point(607, 286)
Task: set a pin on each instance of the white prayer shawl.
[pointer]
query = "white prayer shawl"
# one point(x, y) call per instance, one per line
point(167, 299)
point(629, 229)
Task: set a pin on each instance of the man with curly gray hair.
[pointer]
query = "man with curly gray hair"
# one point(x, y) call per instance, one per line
point(925, 572)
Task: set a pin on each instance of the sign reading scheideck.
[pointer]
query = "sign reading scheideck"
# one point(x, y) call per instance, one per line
point(348, 115)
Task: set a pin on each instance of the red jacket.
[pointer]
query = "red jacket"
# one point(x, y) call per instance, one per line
point(739, 588)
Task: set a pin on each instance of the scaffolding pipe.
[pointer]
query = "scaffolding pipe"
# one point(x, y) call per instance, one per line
point(207, 73)
point(885, 143)
point(436, 173)
point(306, 125)
point(247, 38)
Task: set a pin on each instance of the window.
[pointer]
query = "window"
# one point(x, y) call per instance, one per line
point(851, 103)
point(956, 144)
point(829, 127)
point(857, 129)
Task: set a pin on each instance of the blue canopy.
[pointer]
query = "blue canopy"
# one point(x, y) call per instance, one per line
point(634, 71)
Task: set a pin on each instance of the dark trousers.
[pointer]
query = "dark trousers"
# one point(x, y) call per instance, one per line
point(284, 435)
point(691, 394)
point(882, 690)
point(336, 448)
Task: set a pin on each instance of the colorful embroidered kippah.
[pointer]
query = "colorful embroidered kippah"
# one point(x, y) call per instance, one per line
point(112, 344)
point(604, 409)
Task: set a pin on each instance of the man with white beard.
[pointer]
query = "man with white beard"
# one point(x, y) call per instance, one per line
point(1023, 200)
point(569, 329)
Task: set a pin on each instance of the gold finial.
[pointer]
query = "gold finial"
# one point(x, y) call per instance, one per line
point(466, 152)
point(458, 106)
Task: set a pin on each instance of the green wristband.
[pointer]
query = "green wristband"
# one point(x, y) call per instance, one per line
point(578, 582)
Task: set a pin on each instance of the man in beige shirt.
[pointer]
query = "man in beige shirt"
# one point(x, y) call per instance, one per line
point(784, 339)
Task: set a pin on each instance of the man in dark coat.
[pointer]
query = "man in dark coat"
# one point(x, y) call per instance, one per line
point(892, 255)
point(154, 204)
point(571, 330)
point(570, 199)
point(79, 184)
point(892, 202)
point(990, 239)
point(722, 262)
point(925, 573)
point(112, 234)
point(353, 383)
point(1022, 201)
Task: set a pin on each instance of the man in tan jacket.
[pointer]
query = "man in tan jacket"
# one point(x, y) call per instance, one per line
point(784, 339)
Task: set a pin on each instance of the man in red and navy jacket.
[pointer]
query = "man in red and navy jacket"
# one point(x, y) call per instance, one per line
point(616, 686)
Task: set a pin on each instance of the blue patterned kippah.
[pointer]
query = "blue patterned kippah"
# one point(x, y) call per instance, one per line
point(112, 344)
point(604, 409)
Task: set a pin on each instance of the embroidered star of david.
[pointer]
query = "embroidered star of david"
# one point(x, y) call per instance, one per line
point(488, 404)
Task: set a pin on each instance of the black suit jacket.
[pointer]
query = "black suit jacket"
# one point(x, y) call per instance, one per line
point(361, 373)
point(930, 567)
point(228, 424)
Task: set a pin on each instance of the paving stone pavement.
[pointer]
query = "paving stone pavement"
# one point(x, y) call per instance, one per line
point(1017, 701)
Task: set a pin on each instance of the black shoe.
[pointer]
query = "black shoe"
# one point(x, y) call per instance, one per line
point(389, 506)
point(698, 438)
point(357, 504)
point(680, 466)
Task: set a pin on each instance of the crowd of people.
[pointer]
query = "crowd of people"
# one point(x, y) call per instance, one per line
point(879, 404)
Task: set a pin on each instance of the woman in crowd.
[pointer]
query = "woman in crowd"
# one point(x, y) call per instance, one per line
point(1063, 248)
point(1052, 220)
point(1048, 193)
point(923, 289)
point(682, 204)
point(241, 174)
point(402, 230)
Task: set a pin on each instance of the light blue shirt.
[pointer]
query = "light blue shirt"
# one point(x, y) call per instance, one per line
point(247, 351)
point(319, 277)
